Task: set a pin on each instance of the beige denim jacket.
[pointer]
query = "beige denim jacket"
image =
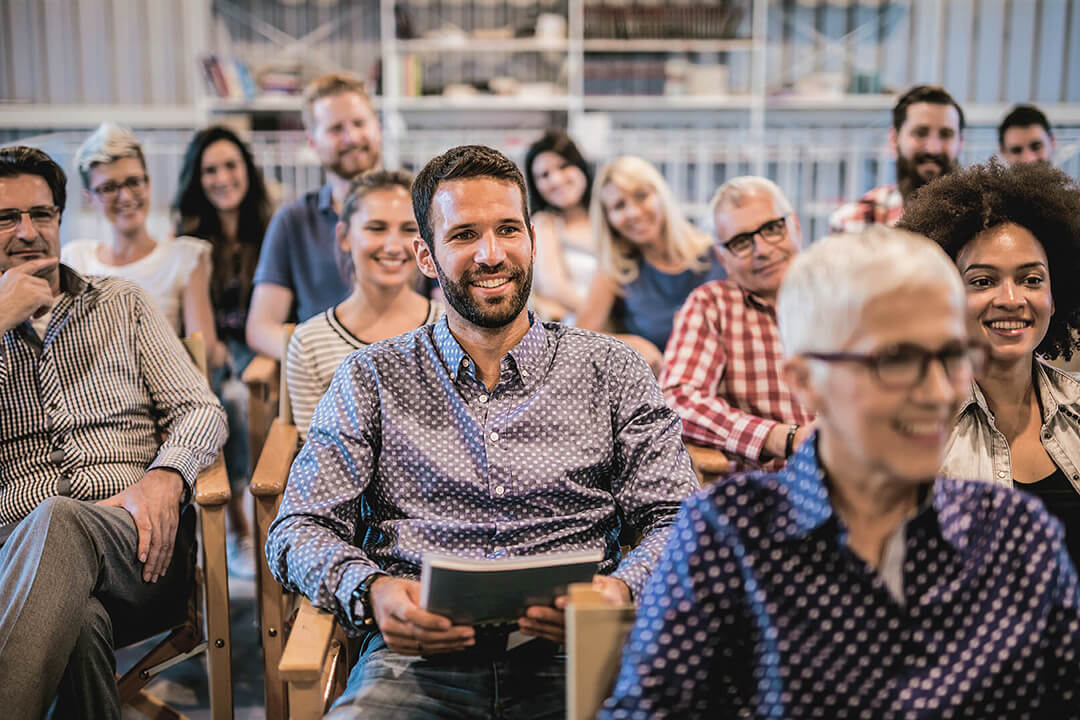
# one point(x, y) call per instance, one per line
point(978, 451)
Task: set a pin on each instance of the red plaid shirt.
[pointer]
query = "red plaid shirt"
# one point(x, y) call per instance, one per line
point(722, 373)
point(881, 206)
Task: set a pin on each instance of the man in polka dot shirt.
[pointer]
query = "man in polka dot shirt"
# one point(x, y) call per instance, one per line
point(853, 584)
point(488, 434)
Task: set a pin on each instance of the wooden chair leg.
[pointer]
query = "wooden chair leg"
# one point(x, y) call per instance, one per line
point(271, 600)
point(218, 634)
point(178, 642)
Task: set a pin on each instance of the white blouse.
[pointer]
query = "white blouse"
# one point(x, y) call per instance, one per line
point(164, 273)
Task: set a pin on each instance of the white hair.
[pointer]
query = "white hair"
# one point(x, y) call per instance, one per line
point(827, 286)
point(109, 143)
point(734, 193)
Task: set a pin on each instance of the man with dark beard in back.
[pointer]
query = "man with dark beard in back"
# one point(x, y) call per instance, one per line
point(926, 136)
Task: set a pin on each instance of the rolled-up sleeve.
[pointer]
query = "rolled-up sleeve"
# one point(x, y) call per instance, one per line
point(309, 547)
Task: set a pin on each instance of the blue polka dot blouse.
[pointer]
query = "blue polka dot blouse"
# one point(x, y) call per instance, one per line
point(759, 609)
point(408, 452)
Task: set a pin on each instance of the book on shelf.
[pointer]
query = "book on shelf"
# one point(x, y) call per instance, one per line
point(479, 592)
point(228, 78)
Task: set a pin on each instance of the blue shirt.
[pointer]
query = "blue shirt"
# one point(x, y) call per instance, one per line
point(298, 253)
point(758, 608)
point(648, 305)
point(407, 453)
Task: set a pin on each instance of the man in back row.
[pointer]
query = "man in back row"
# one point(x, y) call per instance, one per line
point(722, 365)
point(297, 274)
point(486, 435)
point(926, 137)
point(105, 425)
point(1025, 136)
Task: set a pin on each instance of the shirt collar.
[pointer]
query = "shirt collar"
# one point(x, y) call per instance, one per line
point(808, 493)
point(72, 282)
point(528, 355)
point(326, 200)
point(1054, 393)
point(756, 302)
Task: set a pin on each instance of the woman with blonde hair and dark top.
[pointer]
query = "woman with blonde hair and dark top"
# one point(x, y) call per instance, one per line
point(650, 257)
point(1014, 234)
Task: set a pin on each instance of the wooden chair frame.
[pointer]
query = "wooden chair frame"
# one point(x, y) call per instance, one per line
point(209, 599)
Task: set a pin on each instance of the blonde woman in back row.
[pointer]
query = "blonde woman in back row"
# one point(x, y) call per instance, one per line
point(650, 257)
point(375, 251)
point(174, 271)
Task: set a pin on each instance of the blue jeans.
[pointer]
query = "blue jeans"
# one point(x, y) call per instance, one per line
point(526, 683)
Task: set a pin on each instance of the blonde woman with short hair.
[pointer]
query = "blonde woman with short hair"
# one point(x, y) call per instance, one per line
point(650, 257)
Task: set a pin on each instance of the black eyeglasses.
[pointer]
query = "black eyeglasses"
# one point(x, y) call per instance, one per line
point(771, 232)
point(109, 190)
point(903, 366)
point(41, 216)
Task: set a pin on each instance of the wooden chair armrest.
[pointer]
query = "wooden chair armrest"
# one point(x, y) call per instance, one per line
point(272, 469)
point(212, 484)
point(305, 652)
point(262, 370)
point(708, 461)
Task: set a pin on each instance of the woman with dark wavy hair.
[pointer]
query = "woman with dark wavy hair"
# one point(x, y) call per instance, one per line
point(1014, 234)
point(221, 198)
point(559, 182)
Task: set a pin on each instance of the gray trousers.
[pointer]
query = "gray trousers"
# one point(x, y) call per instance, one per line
point(70, 587)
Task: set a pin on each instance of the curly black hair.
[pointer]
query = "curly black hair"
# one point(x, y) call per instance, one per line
point(956, 207)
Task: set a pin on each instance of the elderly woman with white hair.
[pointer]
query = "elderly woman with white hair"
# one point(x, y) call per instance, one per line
point(174, 271)
point(855, 582)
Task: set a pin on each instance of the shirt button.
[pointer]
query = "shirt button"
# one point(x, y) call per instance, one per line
point(1001, 474)
point(465, 362)
point(524, 373)
point(56, 456)
point(494, 437)
point(499, 490)
point(483, 398)
point(1046, 436)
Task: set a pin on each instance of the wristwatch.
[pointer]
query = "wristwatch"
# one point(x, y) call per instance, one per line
point(361, 597)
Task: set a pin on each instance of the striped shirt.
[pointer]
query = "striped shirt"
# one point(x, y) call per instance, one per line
point(85, 407)
point(722, 373)
point(316, 349)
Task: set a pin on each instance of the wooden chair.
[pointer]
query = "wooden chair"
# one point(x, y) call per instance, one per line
point(261, 377)
point(595, 633)
point(709, 464)
point(210, 595)
point(276, 607)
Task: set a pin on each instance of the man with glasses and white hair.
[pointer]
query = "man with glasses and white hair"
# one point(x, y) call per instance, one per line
point(722, 366)
point(855, 582)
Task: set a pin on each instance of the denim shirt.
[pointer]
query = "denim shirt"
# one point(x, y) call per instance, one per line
point(977, 450)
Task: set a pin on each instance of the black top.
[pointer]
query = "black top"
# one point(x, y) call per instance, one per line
point(1061, 499)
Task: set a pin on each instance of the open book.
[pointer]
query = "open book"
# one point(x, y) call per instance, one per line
point(477, 592)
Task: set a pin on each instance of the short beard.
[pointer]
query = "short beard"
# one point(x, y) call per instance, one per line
point(339, 169)
point(909, 180)
point(459, 297)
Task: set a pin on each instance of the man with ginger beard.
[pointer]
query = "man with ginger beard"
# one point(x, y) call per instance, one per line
point(489, 434)
point(297, 275)
point(926, 136)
